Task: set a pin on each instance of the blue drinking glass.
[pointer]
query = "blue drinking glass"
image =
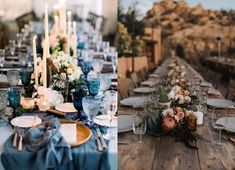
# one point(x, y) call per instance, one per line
point(93, 85)
point(14, 96)
point(86, 67)
point(26, 76)
point(78, 94)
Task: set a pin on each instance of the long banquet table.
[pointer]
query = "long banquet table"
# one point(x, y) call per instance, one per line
point(167, 154)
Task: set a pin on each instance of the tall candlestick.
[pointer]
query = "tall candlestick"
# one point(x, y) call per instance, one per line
point(46, 48)
point(35, 61)
point(69, 16)
point(75, 39)
point(46, 22)
point(56, 25)
point(44, 64)
point(69, 38)
point(63, 17)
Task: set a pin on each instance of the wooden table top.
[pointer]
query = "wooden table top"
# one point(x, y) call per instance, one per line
point(164, 153)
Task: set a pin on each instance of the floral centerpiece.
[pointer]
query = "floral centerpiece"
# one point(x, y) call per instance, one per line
point(176, 119)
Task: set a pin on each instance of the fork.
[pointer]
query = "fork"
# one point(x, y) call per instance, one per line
point(15, 136)
point(21, 134)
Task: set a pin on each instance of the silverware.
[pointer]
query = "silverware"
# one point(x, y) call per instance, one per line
point(21, 134)
point(103, 143)
point(15, 136)
point(99, 146)
point(123, 142)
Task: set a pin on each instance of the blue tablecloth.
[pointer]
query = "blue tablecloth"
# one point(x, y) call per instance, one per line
point(85, 157)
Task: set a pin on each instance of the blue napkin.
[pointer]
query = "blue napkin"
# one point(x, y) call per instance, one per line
point(49, 145)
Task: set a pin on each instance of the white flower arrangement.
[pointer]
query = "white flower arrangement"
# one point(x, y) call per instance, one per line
point(53, 97)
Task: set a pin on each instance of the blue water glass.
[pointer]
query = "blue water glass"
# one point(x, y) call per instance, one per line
point(78, 94)
point(14, 95)
point(86, 67)
point(93, 85)
point(26, 76)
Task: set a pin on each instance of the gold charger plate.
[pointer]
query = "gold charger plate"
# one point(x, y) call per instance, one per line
point(83, 132)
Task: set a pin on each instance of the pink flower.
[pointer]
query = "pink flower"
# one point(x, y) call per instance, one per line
point(168, 123)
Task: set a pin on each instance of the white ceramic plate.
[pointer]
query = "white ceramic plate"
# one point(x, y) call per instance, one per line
point(103, 120)
point(144, 90)
point(205, 84)
point(221, 103)
point(26, 121)
point(229, 126)
point(133, 101)
point(66, 107)
point(148, 83)
point(213, 91)
point(125, 123)
point(154, 76)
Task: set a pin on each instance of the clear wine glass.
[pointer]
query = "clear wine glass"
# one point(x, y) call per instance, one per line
point(139, 126)
point(19, 40)
point(12, 46)
point(111, 111)
point(2, 59)
point(13, 77)
point(97, 65)
point(217, 143)
point(114, 62)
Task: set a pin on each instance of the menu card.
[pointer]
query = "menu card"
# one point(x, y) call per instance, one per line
point(69, 132)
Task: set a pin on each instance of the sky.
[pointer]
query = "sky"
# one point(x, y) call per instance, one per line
point(144, 5)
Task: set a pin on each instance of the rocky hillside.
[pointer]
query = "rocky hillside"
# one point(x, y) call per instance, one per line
point(194, 28)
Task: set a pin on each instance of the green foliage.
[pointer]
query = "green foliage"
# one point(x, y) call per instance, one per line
point(77, 82)
point(137, 47)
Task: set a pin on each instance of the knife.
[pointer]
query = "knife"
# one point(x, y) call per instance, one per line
point(103, 143)
point(99, 146)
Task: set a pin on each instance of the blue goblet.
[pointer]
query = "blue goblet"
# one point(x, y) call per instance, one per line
point(26, 76)
point(93, 85)
point(14, 96)
point(86, 68)
point(78, 94)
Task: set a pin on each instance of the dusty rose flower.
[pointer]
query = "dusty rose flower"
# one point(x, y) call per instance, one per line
point(186, 92)
point(178, 109)
point(168, 123)
point(180, 115)
point(189, 113)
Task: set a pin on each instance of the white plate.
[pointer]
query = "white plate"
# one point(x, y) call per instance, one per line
point(125, 123)
point(133, 101)
point(149, 83)
point(26, 121)
point(103, 120)
point(230, 126)
point(213, 91)
point(221, 103)
point(144, 90)
point(205, 84)
point(66, 107)
point(154, 76)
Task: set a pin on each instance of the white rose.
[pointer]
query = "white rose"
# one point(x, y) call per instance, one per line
point(187, 99)
point(171, 95)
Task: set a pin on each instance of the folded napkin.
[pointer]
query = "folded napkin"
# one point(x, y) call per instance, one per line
point(49, 146)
